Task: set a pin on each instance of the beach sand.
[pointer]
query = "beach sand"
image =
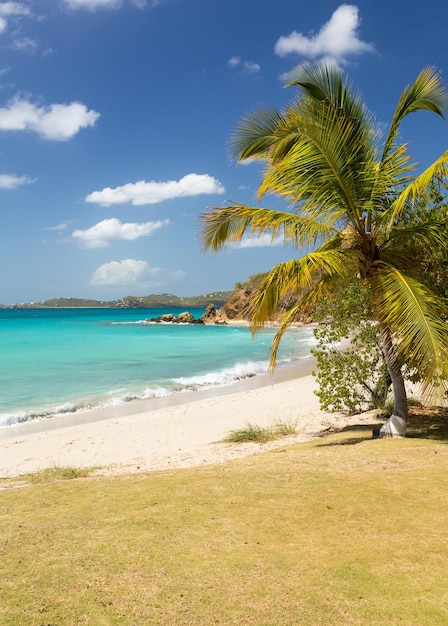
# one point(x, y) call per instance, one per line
point(181, 431)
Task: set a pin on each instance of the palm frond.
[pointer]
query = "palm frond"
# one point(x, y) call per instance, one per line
point(325, 287)
point(297, 276)
point(329, 168)
point(417, 188)
point(426, 93)
point(415, 316)
point(255, 134)
point(226, 224)
point(431, 234)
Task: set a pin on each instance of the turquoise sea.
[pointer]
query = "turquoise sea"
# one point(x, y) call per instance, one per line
point(55, 361)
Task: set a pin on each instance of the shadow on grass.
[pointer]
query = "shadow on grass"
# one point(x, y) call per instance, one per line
point(356, 433)
point(428, 423)
point(423, 423)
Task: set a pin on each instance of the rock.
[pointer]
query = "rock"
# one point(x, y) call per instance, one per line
point(186, 318)
point(238, 305)
point(167, 317)
point(212, 316)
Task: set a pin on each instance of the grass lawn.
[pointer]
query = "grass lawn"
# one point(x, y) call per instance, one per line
point(342, 530)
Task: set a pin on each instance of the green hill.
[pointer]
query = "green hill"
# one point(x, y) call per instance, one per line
point(156, 300)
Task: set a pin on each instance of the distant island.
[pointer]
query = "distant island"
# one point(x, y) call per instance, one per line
point(153, 301)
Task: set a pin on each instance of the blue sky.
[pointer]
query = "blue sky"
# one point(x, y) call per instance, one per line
point(115, 118)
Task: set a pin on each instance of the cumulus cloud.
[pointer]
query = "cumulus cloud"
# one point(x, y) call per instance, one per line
point(93, 5)
point(57, 122)
point(249, 67)
point(336, 40)
point(126, 272)
point(100, 235)
point(11, 9)
point(11, 181)
point(152, 192)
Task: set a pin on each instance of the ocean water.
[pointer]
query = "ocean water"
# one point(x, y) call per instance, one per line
point(54, 361)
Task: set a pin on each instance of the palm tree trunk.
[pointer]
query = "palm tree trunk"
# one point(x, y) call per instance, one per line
point(395, 426)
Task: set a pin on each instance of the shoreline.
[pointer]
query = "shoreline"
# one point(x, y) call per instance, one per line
point(298, 369)
point(179, 434)
point(64, 408)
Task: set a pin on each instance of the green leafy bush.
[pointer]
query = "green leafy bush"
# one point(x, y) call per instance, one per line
point(351, 371)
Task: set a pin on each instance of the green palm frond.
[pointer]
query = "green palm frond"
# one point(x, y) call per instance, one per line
point(391, 175)
point(321, 83)
point(329, 169)
point(255, 135)
point(225, 224)
point(417, 188)
point(297, 276)
point(325, 287)
point(417, 318)
point(432, 234)
point(426, 93)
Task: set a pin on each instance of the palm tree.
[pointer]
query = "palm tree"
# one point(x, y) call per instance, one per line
point(350, 193)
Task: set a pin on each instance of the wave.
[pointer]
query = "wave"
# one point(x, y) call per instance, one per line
point(118, 397)
point(224, 377)
point(159, 389)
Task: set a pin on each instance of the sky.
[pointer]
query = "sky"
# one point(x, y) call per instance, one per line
point(116, 116)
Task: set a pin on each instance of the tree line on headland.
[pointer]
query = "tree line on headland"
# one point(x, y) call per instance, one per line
point(152, 301)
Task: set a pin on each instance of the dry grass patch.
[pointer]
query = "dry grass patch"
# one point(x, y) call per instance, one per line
point(344, 530)
point(261, 434)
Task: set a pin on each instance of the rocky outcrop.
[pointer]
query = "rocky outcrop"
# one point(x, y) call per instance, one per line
point(211, 316)
point(168, 318)
point(214, 316)
point(237, 306)
point(186, 318)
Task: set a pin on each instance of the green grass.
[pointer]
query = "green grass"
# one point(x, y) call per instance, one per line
point(261, 434)
point(340, 531)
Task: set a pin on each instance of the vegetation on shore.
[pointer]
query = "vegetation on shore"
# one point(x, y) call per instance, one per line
point(309, 534)
point(357, 212)
point(261, 434)
point(155, 300)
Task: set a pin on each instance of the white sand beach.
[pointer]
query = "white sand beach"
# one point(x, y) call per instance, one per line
point(183, 433)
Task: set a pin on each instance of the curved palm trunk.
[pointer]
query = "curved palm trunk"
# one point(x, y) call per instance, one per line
point(395, 426)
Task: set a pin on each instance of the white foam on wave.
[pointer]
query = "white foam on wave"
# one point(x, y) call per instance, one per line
point(224, 377)
point(113, 398)
point(117, 397)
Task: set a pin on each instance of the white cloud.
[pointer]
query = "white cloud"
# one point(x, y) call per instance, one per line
point(336, 40)
point(11, 181)
point(60, 227)
point(152, 192)
point(126, 272)
point(249, 67)
point(100, 235)
point(93, 5)
point(25, 45)
point(234, 61)
point(58, 122)
point(11, 9)
point(262, 241)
